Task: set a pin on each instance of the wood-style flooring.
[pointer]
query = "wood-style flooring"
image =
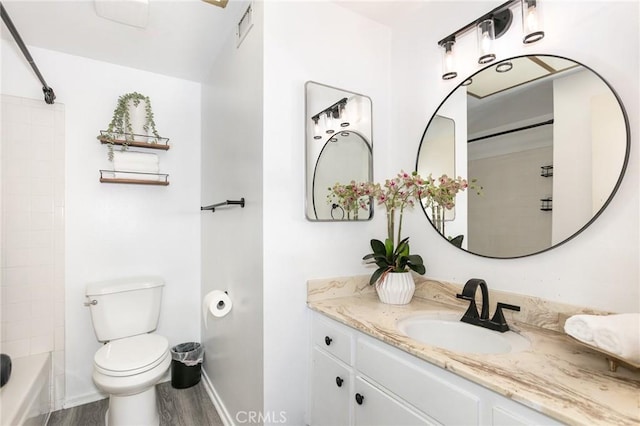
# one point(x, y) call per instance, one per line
point(177, 407)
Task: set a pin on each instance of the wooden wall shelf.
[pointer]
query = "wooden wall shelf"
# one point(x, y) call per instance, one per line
point(114, 176)
point(151, 143)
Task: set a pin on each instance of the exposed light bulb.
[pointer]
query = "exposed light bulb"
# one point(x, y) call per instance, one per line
point(448, 59)
point(486, 41)
point(532, 19)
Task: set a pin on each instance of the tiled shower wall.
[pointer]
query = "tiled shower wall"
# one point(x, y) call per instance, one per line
point(32, 233)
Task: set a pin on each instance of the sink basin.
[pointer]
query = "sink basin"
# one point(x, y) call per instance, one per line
point(444, 330)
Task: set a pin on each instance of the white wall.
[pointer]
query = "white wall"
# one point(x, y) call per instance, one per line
point(578, 159)
point(599, 268)
point(232, 236)
point(326, 43)
point(120, 230)
point(506, 220)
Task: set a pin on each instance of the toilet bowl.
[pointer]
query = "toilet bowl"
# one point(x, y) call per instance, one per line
point(124, 313)
point(128, 370)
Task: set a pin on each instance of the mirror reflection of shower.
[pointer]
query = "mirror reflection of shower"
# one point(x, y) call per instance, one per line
point(338, 151)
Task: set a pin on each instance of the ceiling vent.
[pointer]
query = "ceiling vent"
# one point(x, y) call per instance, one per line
point(128, 12)
point(244, 25)
point(219, 3)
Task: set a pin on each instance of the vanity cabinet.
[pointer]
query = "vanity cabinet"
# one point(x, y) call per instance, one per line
point(382, 385)
point(340, 396)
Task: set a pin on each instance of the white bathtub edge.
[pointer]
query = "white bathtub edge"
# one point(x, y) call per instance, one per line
point(30, 377)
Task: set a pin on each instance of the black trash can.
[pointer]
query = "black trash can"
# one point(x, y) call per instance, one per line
point(186, 364)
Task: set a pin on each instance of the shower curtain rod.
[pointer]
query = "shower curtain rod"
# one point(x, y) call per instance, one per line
point(506, 132)
point(49, 96)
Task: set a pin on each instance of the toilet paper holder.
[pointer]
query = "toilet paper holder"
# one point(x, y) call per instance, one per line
point(221, 303)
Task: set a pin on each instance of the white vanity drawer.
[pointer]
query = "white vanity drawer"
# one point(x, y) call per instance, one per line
point(442, 401)
point(376, 408)
point(333, 338)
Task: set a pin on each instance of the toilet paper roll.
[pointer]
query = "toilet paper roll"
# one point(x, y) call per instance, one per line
point(217, 303)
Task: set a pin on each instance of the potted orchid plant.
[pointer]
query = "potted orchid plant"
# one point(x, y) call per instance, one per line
point(351, 198)
point(441, 196)
point(393, 280)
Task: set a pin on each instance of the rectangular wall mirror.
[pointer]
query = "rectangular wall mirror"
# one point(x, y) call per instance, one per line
point(339, 152)
point(440, 140)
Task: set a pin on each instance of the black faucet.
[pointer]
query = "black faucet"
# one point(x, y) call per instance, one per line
point(471, 316)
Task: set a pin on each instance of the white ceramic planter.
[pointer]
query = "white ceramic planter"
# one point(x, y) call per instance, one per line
point(396, 288)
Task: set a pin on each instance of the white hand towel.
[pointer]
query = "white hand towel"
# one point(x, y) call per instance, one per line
point(138, 176)
point(581, 327)
point(142, 157)
point(620, 335)
point(134, 166)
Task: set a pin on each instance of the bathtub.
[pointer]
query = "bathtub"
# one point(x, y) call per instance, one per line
point(26, 398)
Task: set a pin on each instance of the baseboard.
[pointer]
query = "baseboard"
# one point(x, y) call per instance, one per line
point(84, 399)
point(226, 418)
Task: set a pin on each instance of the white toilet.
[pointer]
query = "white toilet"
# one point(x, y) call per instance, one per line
point(124, 312)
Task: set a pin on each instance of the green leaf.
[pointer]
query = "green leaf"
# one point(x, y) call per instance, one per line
point(389, 248)
point(457, 241)
point(402, 246)
point(376, 258)
point(415, 259)
point(420, 269)
point(400, 263)
point(378, 247)
point(376, 275)
point(382, 263)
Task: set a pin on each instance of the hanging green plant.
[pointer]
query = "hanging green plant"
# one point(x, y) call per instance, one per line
point(120, 128)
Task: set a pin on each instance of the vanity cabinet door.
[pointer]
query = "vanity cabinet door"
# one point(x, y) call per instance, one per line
point(373, 407)
point(331, 389)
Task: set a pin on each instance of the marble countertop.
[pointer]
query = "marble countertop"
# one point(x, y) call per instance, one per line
point(554, 376)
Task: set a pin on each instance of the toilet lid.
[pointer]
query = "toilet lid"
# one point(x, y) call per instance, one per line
point(131, 354)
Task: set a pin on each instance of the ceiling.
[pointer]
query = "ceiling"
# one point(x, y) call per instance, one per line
point(182, 37)
point(386, 12)
point(524, 70)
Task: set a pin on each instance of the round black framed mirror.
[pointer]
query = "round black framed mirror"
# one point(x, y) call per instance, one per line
point(547, 140)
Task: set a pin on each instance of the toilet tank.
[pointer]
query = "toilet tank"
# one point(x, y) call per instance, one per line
point(124, 307)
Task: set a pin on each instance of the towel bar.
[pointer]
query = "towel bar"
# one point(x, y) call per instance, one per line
point(212, 207)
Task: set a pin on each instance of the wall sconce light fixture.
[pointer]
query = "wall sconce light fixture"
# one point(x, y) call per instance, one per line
point(489, 27)
point(448, 59)
point(334, 117)
point(316, 127)
point(486, 35)
point(531, 22)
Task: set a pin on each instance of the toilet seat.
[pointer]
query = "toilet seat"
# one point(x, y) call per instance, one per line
point(131, 355)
